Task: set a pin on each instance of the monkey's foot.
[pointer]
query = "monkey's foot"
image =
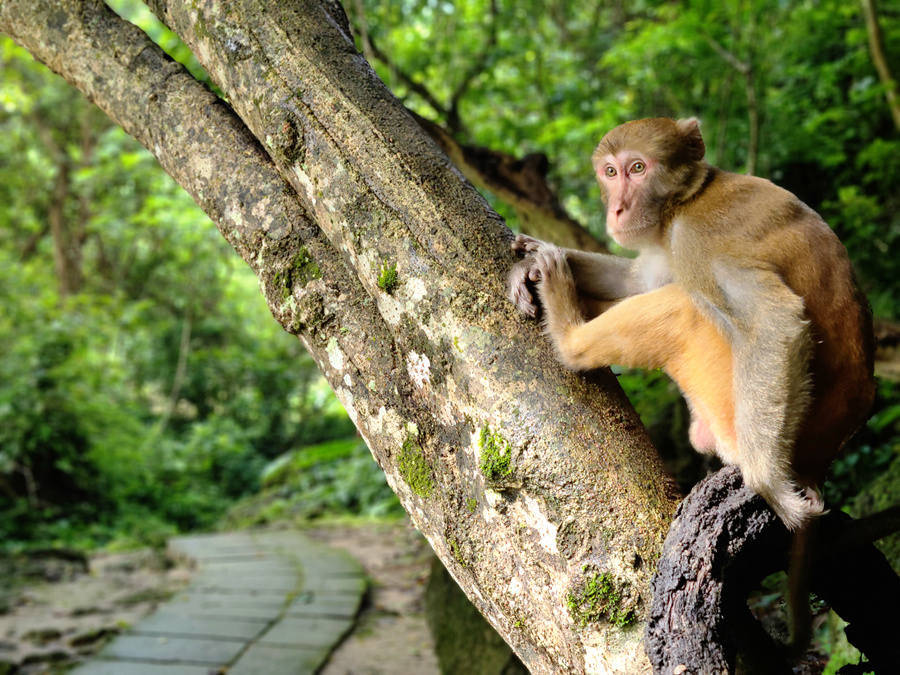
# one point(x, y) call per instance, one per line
point(794, 505)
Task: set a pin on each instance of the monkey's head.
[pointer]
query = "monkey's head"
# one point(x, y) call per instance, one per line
point(642, 167)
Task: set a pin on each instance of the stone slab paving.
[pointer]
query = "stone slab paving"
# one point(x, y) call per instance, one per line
point(270, 602)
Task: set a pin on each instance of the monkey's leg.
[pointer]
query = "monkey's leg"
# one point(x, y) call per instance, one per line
point(772, 346)
point(659, 329)
point(646, 330)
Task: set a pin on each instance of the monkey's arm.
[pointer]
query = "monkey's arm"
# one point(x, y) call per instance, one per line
point(767, 327)
point(643, 330)
point(598, 277)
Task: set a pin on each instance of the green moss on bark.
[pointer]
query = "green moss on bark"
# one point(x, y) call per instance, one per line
point(599, 597)
point(496, 455)
point(302, 270)
point(387, 277)
point(414, 468)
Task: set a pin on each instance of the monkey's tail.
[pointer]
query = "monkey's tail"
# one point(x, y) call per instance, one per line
point(798, 508)
point(795, 506)
point(799, 571)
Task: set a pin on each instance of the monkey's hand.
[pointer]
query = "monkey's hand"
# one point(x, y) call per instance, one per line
point(521, 287)
point(556, 290)
point(523, 244)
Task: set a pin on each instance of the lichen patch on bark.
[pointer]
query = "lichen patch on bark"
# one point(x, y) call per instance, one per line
point(419, 368)
point(335, 355)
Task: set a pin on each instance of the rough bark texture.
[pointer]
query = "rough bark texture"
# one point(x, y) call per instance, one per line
point(722, 535)
point(440, 376)
point(723, 541)
point(521, 183)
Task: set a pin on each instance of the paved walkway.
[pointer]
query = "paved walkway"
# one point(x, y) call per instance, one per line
point(270, 603)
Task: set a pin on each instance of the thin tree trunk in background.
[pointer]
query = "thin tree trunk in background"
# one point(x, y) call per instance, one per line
point(876, 49)
point(529, 482)
point(66, 240)
point(753, 123)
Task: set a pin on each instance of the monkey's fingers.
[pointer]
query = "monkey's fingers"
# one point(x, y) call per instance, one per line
point(525, 244)
point(550, 265)
point(519, 292)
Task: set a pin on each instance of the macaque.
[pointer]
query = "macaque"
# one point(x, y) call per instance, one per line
point(740, 292)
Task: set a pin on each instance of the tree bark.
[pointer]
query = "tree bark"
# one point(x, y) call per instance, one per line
point(66, 241)
point(529, 482)
point(521, 183)
point(723, 541)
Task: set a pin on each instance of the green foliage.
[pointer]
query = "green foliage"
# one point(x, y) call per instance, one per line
point(336, 478)
point(387, 277)
point(145, 399)
point(496, 454)
point(285, 469)
point(874, 455)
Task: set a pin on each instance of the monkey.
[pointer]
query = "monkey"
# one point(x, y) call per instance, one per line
point(740, 292)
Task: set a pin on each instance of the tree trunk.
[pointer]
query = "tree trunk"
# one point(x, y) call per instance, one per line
point(876, 49)
point(66, 241)
point(537, 488)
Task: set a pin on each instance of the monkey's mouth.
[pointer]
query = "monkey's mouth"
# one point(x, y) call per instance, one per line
point(622, 234)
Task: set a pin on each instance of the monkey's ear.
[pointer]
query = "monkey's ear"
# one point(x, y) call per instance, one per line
point(694, 147)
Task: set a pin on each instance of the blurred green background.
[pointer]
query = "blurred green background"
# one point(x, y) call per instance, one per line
point(145, 390)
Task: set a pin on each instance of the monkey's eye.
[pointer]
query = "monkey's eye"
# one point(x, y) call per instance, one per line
point(638, 167)
point(610, 172)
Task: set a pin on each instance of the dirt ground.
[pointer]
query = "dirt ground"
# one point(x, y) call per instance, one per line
point(57, 610)
point(391, 636)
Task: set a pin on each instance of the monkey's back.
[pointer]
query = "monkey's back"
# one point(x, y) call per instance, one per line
point(843, 345)
point(770, 227)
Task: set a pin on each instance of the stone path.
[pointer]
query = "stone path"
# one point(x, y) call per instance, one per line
point(273, 603)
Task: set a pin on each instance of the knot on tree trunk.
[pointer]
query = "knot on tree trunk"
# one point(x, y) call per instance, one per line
point(723, 541)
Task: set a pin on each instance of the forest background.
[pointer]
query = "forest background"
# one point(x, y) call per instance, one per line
point(146, 391)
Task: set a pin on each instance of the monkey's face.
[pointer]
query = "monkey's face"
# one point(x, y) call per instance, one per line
point(632, 209)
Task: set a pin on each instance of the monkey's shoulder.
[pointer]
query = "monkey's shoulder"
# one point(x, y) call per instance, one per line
point(734, 208)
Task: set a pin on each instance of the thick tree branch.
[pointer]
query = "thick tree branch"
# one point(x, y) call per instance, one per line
point(520, 183)
point(869, 529)
point(427, 371)
point(723, 541)
point(382, 192)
